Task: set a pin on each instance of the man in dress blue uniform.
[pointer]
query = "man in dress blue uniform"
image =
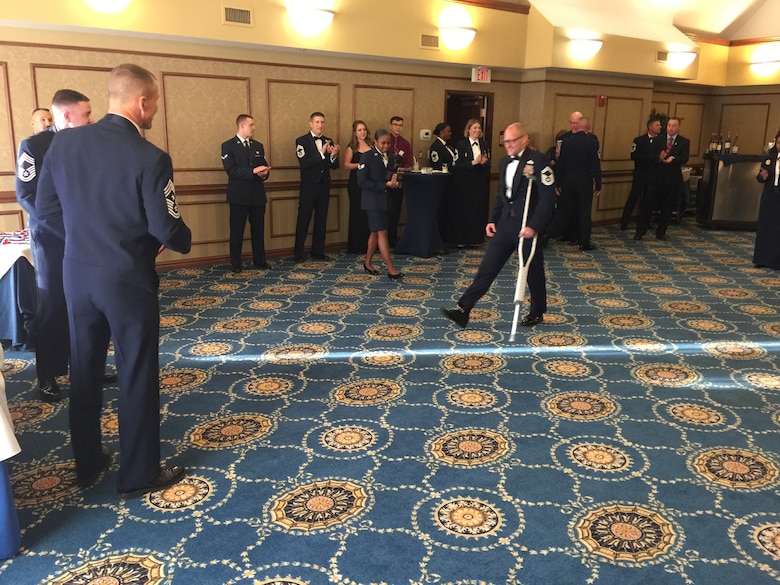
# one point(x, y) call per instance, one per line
point(578, 175)
point(115, 193)
point(244, 161)
point(671, 152)
point(317, 155)
point(47, 239)
point(506, 225)
point(643, 157)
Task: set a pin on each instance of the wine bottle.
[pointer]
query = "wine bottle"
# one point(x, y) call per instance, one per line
point(727, 144)
point(734, 146)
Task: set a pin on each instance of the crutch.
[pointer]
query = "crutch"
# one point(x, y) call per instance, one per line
point(522, 272)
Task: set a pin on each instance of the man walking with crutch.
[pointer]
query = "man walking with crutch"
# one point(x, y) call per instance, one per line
point(520, 166)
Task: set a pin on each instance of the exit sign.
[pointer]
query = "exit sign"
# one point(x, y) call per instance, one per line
point(480, 74)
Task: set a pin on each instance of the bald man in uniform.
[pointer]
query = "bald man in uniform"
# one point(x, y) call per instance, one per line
point(111, 285)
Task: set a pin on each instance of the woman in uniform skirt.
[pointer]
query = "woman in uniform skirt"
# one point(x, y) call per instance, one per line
point(468, 211)
point(375, 175)
point(766, 254)
point(358, 222)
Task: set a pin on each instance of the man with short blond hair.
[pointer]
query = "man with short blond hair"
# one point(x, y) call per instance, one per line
point(110, 281)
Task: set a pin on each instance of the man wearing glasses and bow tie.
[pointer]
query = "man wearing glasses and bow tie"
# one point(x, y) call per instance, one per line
point(244, 161)
point(515, 170)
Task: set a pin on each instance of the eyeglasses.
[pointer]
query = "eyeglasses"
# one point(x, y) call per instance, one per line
point(397, 124)
point(513, 140)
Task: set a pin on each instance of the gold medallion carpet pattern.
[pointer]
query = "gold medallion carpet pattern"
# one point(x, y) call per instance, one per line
point(337, 430)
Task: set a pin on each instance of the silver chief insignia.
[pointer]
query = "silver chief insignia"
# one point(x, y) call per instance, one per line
point(548, 177)
point(361, 166)
point(170, 200)
point(300, 151)
point(25, 168)
point(633, 147)
point(434, 156)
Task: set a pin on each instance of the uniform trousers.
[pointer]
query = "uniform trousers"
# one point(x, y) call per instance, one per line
point(51, 316)
point(395, 200)
point(635, 198)
point(103, 304)
point(314, 198)
point(238, 217)
point(501, 247)
point(663, 197)
point(576, 203)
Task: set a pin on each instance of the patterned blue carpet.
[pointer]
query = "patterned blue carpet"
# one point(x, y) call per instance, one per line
point(337, 429)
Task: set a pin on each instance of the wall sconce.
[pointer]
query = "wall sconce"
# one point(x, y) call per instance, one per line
point(455, 28)
point(765, 60)
point(310, 18)
point(108, 6)
point(680, 59)
point(583, 44)
point(584, 49)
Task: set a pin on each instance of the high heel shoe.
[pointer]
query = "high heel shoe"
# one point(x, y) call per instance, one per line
point(369, 270)
point(395, 276)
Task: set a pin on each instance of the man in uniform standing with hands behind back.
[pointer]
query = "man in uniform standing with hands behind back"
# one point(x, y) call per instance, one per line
point(108, 169)
point(243, 159)
point(317, 155)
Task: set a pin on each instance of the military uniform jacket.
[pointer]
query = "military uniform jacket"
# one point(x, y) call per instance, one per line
point(372, 178)
point(465, 155)
point(579, 161)
point(670, 173)
point(442, 155)
point(770, 166)
point(28, 168)
point(643, 155)
point(244, 186)
point(314, 168)
point(117, 212)
point(542, 193)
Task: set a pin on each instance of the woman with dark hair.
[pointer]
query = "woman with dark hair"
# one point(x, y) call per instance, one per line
point(766, 253)
point(358, 222)
point(376, 173)
point(472, 168)
point(443, 157)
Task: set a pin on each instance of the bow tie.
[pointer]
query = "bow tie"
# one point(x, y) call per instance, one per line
point(516, 157)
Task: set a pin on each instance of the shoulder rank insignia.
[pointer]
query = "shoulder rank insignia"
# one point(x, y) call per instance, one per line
point(25, 167)
point(170, 200)
point(300, 151)
point(548, 177)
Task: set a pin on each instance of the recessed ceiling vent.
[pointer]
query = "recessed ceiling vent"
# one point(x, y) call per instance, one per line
point(239, 16)
point(429, 42)
point(663, 57)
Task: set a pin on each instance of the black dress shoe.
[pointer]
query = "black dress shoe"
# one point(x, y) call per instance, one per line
point(458, 316)
point(531, 320)
point(661, 237)
point(262, 265)
point(167, 477)
point(395, 276)
point(321, 257)
point(587, 247)
point(373, 271)
point(49, 390)
point(88, 480)
point(236, 269)
point(637, 237)
point(299, 259)
point(109, 378)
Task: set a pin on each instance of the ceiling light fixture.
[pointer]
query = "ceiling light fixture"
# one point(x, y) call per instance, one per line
point(108, 6)
point(310, 18)
point(584, 44)
point(455, 28)
point(765, 60)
